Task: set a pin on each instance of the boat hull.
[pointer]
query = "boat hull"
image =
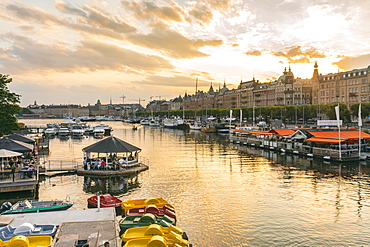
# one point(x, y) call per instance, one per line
point(42, 206)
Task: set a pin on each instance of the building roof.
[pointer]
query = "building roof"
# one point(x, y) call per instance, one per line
point(110, 145)
point(344, 134)
point(21, 138)
point(283, 132)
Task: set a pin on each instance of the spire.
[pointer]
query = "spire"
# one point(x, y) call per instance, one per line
point(315, 75)
point(211, 91)
point(196, 85)
point(110, 101)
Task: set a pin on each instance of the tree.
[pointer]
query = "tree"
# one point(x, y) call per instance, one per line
point(8, 107)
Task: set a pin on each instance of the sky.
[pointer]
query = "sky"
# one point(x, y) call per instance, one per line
point(78, 52)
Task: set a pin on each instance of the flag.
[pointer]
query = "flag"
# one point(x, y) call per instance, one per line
point(359, 116)
point(337, 113)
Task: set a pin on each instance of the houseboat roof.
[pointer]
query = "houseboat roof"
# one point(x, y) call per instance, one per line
point(344, 134)
point(283, 132)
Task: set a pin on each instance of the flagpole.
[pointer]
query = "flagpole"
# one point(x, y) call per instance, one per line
point(338, 123)
point(359, 131)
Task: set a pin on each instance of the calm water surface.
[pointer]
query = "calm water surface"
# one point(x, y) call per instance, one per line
point(229, 195)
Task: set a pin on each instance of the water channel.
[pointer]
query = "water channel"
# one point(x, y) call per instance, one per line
point(226, 194)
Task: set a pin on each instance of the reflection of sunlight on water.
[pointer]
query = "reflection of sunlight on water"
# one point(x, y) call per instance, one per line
point(230, 195)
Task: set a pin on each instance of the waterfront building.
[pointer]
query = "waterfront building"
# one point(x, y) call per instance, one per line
point(347, 87)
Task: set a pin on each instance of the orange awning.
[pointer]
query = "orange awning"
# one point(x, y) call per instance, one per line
point(253, 132)
point(324, 140)
point(345, 134)
point(283, 132)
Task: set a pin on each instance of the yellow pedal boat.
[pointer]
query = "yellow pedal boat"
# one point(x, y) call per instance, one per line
point(139, 203)
point(156, 241)
point(170, 232)
point(22, 241)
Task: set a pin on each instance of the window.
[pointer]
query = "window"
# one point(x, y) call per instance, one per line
point(343, 99)
point(342, 90)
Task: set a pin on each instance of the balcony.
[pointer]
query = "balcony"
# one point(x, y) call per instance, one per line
point(279, 98)
point(289, 91)
point(352, 94)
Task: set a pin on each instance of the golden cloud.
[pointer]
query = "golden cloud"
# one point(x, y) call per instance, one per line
point(172, 43)
point(253, 53)
point(348, 63)
point(150, 10)
point(28, 55)
point(296, 54)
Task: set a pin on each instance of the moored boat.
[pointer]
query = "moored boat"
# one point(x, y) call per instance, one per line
point(23, 241)
point(27, 206)
point(146, 232)
point(139, 203)
point(144, 220)
point(106, 201)
point(157, 241)
point(153, 209)
point(27, 229)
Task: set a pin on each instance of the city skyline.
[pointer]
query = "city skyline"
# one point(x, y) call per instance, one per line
point(61, 52)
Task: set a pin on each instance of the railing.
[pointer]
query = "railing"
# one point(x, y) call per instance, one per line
point(60, 165)
point(7, 176)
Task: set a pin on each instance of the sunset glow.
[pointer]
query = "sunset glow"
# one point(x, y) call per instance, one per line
point(61, 52)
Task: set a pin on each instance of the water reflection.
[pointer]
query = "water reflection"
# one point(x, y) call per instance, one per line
point(232, 195)
point(113, 185)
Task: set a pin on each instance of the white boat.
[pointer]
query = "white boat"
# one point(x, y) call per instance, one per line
point(170, 123)
point(175, 123)
point(98, 130)
point(195, 125)
point(63, 131)
point(77, 130)
point(144, 121)
point(51, 131)
point(107, 129)
point(154, 122)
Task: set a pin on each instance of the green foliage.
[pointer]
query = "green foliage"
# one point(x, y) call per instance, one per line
point(8, 107)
